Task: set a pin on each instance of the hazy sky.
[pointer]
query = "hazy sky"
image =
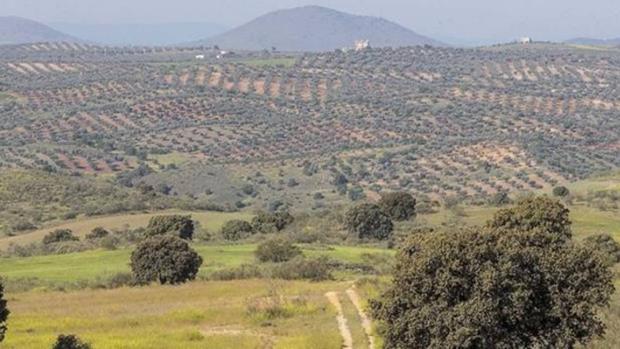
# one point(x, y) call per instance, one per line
point(475, 20)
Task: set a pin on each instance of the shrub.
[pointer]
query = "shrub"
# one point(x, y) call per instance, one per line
point(492, 289)
point(266, 223)
point(315, 269)
point(236, 230)
point(181, 226)
point(535, 213)
point(368, 221)
point(500, 199)
point(277, 250)
point(59, 235)
point(70, 342)
point(166, 259)
point(399, 206)
point(4, 313)
point(607, 246)
point(97, 233)
point(561, 191)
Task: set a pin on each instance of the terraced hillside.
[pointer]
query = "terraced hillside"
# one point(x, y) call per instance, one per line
point(253, 127)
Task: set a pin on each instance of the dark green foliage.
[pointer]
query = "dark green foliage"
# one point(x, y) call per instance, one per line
point(535, 213)
point(59, 235)
point(606, 245)
point(97, 233)
point(300, 268)
point(236, 230)
point(4, 313)
point(400, 206)
point(166, 259)
point(266, 222)
point(277, 250)
point(561, 191)
point(181, 226)
point(368, 221)
point(500, 199)
point(493, 289)
point(70, 342)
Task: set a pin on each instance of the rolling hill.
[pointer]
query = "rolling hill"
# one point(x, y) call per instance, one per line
point(314, 28)
point(595, 42)
point(17, 30)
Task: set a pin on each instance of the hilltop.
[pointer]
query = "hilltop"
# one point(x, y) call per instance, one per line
point(595, 42)
point(17, 30)
point(314, 28)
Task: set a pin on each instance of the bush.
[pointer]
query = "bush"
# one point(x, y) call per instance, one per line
point(316, 269)
point(561, 191)
point(607, 246)
point(368, 221)
point(166, 259)
point(4, 313)
point(59, 235)
point(399, 206)
point(277, 250)
point(267, 223)
point(493, 289)
point(500, 199)
point(97, 233)
point(236, 230)
point(70, 342)
point(181, 226)
point(535, 213)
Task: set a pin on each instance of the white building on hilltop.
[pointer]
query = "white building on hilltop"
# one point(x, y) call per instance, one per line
point(361, 45)
point(525, 40)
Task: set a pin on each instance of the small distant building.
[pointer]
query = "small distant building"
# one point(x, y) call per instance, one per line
point(200, 56)
point(223, 54)
point(525, 40)
point(361, 45)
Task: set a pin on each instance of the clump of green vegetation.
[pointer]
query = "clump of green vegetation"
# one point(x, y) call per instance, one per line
point(277, 250)
point(181, 226)
point(4, 313)
point(70, 341)
point(400, 206)
point(500, 286)
point(166, 259)
point(267, 223)
point(368, 221)
point(606, 245)
point(236, 230)
point(59, 235)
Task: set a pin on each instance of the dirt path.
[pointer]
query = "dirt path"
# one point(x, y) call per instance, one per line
point(366, 323)
point(345, 332)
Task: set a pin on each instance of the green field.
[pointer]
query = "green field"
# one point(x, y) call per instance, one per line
point(211, 221)
point(89, 265)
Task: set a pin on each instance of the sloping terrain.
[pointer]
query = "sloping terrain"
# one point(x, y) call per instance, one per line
point(314, 28)
point(326, 128)
point(16, 30)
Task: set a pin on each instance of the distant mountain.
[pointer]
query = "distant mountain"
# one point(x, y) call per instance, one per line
point(16, 30)
point(595, 42)
point(315, 28)
point(141, 34)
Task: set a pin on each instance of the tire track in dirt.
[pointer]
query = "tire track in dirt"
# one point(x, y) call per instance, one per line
point(345, 332)
point(366, 323)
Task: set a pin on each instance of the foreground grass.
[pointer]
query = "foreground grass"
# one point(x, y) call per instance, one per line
point(90, 265)
point(195, 315)
point(212, 221)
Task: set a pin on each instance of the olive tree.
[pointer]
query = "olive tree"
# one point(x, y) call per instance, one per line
point(166, 259)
